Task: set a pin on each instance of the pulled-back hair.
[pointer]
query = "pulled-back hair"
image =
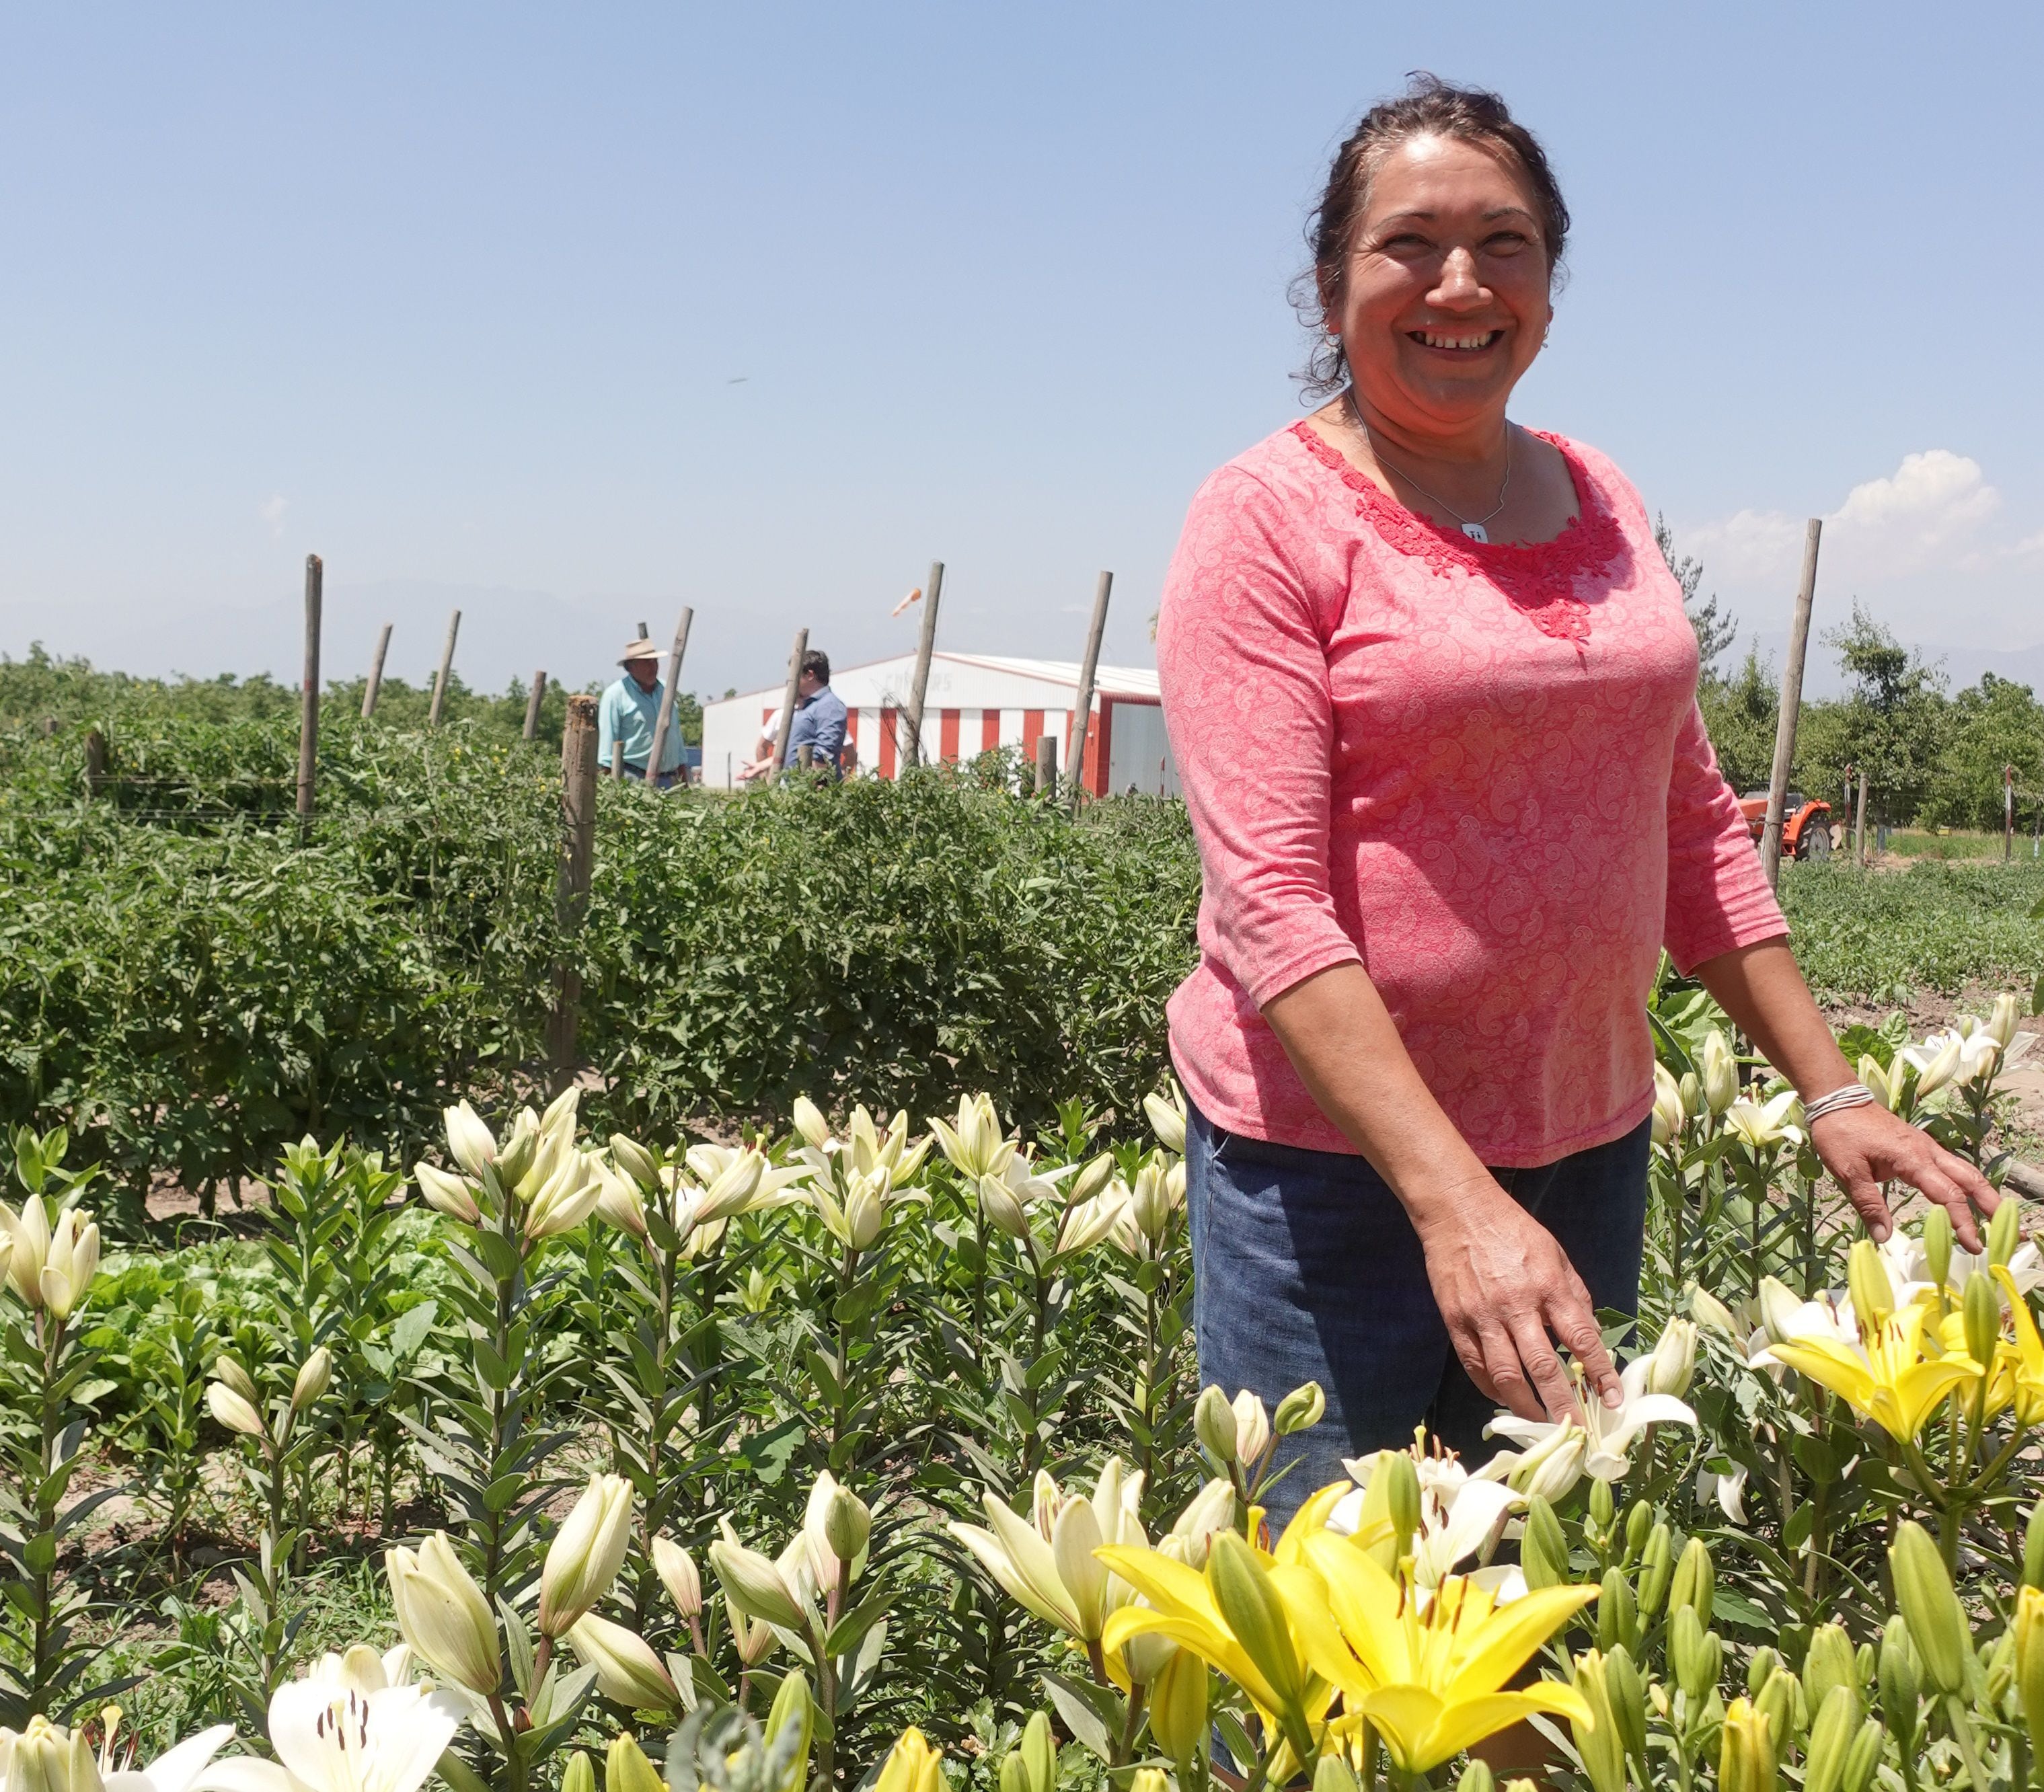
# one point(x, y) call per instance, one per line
point(1429, 107)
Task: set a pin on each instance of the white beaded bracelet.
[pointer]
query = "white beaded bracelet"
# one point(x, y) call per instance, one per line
point(1853, 1094)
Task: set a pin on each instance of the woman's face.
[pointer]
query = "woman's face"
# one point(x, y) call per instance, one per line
point(1446, 297)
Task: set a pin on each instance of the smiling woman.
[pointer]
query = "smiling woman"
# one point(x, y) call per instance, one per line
point(1432, 691)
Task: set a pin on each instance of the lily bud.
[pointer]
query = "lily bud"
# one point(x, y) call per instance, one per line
point(635, 1161)
point(515, 1160)
point(585, 1554)
point(2029, 1627)
point(1543, 1551)
point(1211, 1511)
point(752, 1637)
point(625, 1767)
point(1301, 1410)
point(1618, 1625)
point(1213, 1423)
point(676, 1570)
point(314, 1376)
point(627, 1671)
point(1150, 1203)
point(1777, 1702)
point(1600, 1741)
point(446, 1194)
point(2002, 1018)
point(756, 1585)
point(1668, 1111)
point(1695, 1580)
point(1003, 1208)
point(1885, 1088)
point(846, 1524)
point(1476, 1777)
point(579, 1775)
point(1691, 1088)
point(1250, 1605)
point(2032, 1548)
point(1150, 1779)
point(1252, 1427)
point(1720, 1072)
point(2004, 1231)
point(618, 1200)
point(1829, 1662)
point(1696, 1654)
point(73, 1260)
point(232, 1411)
point(566, 1198)
point(793, 1706)
point(1709, 1310)
point(1097, 1175)
point(470, 1142)
point(1657, 1570)
point(1628, 1705)
point(866, 1209)
point(228, 1370)
point(1863, 1757)
point(1923, 1590)
point(1832, 1735)
point(1674, 1360)
point(912, 1766)
point(1178, 1706)
point(1872, 1293)
point(1040, 1753)
point(810, 1124)
point(1981, 1305)
point(1167, 1121)
point(1901, 1683)
point(1746, 1753)
point(1937, 1247)
point(1401, 1497)
point(443, 1614)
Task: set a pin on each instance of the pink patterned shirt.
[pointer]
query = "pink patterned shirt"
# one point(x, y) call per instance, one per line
point(1479, 770)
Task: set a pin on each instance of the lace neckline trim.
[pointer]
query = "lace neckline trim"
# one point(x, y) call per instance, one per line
point(1539, 577)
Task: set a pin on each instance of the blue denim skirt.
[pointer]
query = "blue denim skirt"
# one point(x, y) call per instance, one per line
point(1306, 1268)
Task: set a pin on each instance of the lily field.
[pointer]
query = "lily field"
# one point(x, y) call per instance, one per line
point(759, 1412)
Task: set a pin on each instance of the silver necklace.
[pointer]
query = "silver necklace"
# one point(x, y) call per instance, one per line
point(1471, 526)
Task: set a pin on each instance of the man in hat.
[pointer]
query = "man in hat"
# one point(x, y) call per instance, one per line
point(629, 709)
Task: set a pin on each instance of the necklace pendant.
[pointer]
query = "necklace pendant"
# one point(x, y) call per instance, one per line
point(1475, 531)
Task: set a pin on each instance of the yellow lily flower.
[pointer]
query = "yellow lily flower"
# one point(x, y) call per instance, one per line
point(2018, 1370)
point(1430, 1675)
point(1887, 1377)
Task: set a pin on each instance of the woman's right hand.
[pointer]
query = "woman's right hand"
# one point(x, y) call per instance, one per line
point(1506, 1291)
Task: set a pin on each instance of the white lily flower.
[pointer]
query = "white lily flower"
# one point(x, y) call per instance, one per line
point(974, 1141)
point(1166, 1112)
point(47, 1757)
point(1609, 1431)
point(1461, 1515)
point(331, 1736)
point(1953, 1056)
point(1728, 1491)
point(1783, 1319)
point(1762, 1124)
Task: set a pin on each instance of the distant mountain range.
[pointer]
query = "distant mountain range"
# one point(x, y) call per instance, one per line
point(1962, 666)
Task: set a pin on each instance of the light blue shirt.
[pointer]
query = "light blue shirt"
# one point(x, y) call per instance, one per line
point(627, 713)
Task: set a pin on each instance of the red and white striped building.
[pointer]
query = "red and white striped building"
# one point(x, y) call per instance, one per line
point(974, 703)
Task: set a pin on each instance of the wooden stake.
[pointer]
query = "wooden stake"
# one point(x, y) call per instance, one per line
point(912, 745)
point(95, 760)
point(310, 697)
point(2007, 814)
point(665, 719)
point(375, 674)
point(1075, 772)
point(1859, 823)
point(1046, 764)
point(788, 700)
point(644, 632)
point(446, 671)
point(617, 758)
point(1792, 707)
point(532, 705)
point(571, 882)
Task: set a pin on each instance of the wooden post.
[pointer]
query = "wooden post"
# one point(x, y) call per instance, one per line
point(375, 674)
point(1075, 771)
point(788, 701)
point(1046, 764)
point(446, 671)
point(532, 705)
point(1792, 707)
point(643, 631)
point(2007, 814)
point(1859, 823)
point(571, 882)
point(310, 697)
point(912, 745)
point(95, 760)
point(665, 719)
point(805, 756)
point(617, 758)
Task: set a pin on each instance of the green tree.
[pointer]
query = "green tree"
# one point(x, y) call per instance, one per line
point(1994, 723)
point(1739, 713)
point(1892, 723)
point(1715, 631)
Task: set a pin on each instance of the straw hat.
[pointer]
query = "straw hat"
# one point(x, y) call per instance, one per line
point(640, 649)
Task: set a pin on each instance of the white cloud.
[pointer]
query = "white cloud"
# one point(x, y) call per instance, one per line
point(272, 512)
point(1923, 517)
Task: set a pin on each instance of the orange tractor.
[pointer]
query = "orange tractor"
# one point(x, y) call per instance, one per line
point(1805, 826)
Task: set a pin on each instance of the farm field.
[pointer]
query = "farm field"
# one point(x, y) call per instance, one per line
point(772, 1386)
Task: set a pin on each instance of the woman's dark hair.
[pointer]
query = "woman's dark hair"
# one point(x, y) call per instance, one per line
point(1429, 107)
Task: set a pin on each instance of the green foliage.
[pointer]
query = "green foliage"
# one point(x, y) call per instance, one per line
point(1936, 926)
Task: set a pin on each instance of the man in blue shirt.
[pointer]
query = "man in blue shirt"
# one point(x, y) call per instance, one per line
point(820, 718)
point(628, 712)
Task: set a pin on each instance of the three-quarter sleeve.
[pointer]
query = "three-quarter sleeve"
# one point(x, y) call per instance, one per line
point(1242, 660)
point(1718, 897)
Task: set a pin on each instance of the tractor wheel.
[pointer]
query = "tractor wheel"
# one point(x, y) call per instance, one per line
point(1815, 839)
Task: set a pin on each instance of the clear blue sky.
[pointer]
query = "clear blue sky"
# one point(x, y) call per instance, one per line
point(456, 296)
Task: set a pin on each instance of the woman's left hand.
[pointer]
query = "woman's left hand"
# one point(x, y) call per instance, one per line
point(1865, 1146)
